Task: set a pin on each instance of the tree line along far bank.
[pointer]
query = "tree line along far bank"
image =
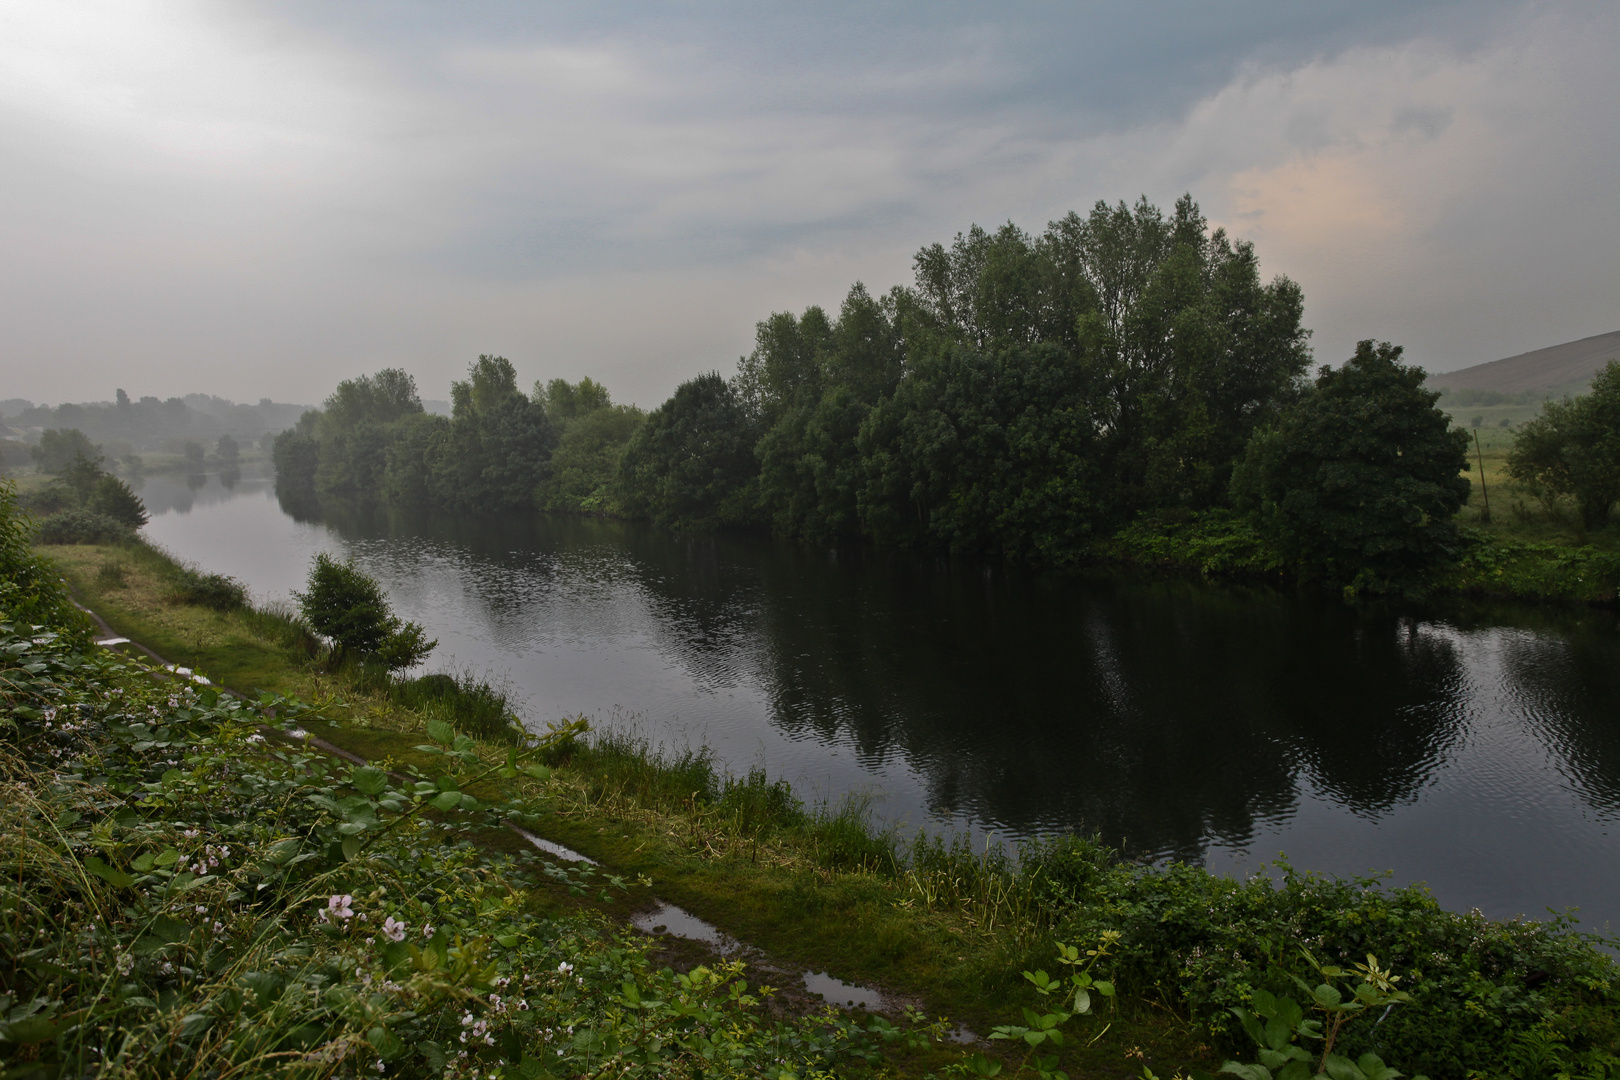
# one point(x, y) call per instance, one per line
point(1024, 398)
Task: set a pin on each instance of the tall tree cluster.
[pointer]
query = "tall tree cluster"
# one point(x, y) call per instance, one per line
point(373, 441)
point(1024, 396)
point(1024, 393)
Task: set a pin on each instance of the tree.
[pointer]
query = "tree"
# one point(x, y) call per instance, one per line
point(347, 605)
point(586, 461)
point(819, 381)
point(1573, 448)
point(692, 462)
point(563, 400)
point(113, 498)
point(1360, 481)
point(227, 451)
point(59, 449)
point(354, 429)
point(987, 451)
point(296, 455)
point(496, 449)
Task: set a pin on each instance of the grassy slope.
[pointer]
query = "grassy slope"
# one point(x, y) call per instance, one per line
point(860, 926)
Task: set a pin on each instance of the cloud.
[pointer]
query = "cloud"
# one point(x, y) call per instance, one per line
point(254, 200)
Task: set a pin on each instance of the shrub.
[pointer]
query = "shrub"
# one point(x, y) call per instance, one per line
point(222, 593)
point(47, 500)
point(347, 605)
point(1481, 990)
point(84, 527)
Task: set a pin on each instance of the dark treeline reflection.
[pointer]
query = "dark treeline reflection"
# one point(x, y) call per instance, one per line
point(1163, 712)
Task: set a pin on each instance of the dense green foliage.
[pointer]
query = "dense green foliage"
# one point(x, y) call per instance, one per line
point(191, 892)
point(83, 527)
point(691, 462)
point(592, 434)
point(344, 603)
point(498, 450)
point(86, 504)
point(1573, 448)
point(1025, 395)
point(1123, 384)
point(57, 449)
point(1485, 993)
point(218, 591)
point(30, 588)
point(86, 486)
point(1359, 482)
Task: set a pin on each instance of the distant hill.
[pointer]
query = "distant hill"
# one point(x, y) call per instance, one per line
point(1561, 369)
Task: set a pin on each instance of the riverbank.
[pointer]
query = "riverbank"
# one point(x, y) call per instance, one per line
point(196, 890)
point(1535, 560)
point(817, 888)
point(949, 928)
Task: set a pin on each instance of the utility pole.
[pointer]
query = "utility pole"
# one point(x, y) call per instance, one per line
point(1485, 518)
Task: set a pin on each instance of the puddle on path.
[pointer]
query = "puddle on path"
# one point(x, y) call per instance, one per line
point(550, 848)
point(669, 919)
point(840, 993)
point(666, 918)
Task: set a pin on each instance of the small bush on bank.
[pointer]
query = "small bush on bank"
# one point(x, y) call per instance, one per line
point(84, 527)
point(348, 606)
point(113, 574)
point(217, 591)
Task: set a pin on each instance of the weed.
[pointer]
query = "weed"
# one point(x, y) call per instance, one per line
point(113, 575)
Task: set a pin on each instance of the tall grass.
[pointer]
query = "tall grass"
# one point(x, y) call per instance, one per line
point(473, 704)
point(281, 624)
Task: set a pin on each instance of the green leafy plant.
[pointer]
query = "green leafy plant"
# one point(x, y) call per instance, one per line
point(1042, 1029)
point(1280, 1027)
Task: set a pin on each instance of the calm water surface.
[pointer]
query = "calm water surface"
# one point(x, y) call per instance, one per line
point(1476, 749)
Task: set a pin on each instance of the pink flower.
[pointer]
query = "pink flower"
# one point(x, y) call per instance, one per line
point(338, 906)
point(427, 930)
point(393, 929)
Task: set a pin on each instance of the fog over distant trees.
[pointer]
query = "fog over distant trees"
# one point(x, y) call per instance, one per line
point(127, 424)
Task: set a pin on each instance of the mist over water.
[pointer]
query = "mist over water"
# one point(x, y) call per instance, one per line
point(1474, 748)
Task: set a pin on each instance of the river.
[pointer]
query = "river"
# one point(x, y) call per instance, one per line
point(1475, 748)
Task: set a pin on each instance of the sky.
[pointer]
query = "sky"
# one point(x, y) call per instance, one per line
point(259, 200)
